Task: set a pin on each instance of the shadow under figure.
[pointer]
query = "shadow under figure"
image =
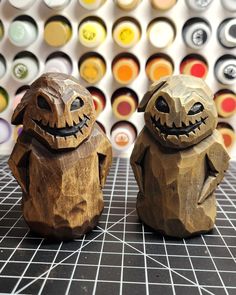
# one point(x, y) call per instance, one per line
point(179, 157)
point(61, 158)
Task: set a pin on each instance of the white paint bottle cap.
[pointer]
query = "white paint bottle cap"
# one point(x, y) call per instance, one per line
point(2, 67)
point(56, 4)
point(123, 135)
point(161, 33)
point(127, 4)
point(196, 33)
point(225, 70)
point(227, 33)
point(198, 5)
point(24, 69)
point(21, 4)
point(22, 33)
point(58, 64)
point(230, 5)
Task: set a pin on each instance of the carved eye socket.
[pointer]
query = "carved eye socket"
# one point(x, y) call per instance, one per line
point(161, 105)
point(43, 104)
point(76, 104)
point(196, 108)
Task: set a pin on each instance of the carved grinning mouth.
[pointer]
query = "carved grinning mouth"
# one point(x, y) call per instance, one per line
point(185, 129)
point(66, 131)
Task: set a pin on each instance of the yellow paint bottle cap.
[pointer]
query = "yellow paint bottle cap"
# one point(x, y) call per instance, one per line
point(1, 30)
point(92, 69)
point(57, 33)
point(91, 33)
point(158, 67)
point(4, 99)
point(126, 33)
point(91, 4)
point(125, 70)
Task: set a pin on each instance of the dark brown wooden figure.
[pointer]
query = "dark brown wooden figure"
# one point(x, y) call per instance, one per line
point(61, 159)
point(179, 158)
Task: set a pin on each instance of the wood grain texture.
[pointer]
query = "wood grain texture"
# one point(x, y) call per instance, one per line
point(178, 162)
point(63, 167)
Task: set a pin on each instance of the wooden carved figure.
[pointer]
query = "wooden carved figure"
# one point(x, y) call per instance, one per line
point(61, 158)
point(179, 158)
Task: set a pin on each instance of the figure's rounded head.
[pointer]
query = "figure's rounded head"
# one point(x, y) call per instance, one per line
point(57, 110)
point(179, 111)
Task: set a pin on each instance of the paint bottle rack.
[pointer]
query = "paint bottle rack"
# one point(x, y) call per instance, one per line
point(144, 13)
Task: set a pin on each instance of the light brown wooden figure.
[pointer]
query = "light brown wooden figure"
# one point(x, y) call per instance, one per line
point(179, 157)
point(61, 159)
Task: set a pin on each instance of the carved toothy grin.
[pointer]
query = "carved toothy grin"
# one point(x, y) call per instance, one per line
point(66, 131)
point(184, 130)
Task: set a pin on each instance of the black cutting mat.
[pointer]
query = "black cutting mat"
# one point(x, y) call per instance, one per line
point(121, 256)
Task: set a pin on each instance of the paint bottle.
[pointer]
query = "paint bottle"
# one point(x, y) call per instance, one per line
point(92, 67)
point(225, 69)
point(58, 62)
point(158, 66)
point(227, 133)
point(161, 32)
point(4, 99)
point(20, 92)
point(99, 99)
point(124, 103)
point(194, 65)
point(1, 30)
point(92, 32)
point(229, 5)
point(57, 4)
point(25, 67)
point(57, 31)
point(3, 67)
point(225, 101)
point(227, 33)
point(163, 4)
point(91, 4)
point(198, 5)
point(127, 5)
point(125, 68)
point(22, 31)
point(126, 32)
point(196, 33)
point(5, 133)
point(21, 4)
point(123, 135)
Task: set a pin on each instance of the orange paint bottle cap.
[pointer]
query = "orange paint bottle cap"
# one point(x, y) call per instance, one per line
point(158, 67)
point(228, 136)
point(125, 70)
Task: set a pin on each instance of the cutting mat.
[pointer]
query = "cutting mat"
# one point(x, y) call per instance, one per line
point(121, 256)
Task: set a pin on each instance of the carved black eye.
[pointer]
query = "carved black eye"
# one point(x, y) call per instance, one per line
point(43, 104)
point(76, 104)
point(196, 108)
point(161, 105)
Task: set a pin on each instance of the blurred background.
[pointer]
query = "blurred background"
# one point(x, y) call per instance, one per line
point(117, 49)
